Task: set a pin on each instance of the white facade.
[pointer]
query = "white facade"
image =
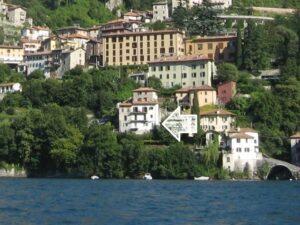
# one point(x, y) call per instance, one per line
point(223, 4)
point(11, 54)
point(38, 61)
point(219, 120)
point(141, 113)
point(9, 88)
point(160, 11)
point(36, 33)
point(295, 149)
point(243, 146)
point(185, 71)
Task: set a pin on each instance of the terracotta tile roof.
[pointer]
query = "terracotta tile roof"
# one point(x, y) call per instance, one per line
point(241, 136)
point(132, 14)
point(79, 36)
point(219, 112)
point(185, 58)
point(145, 89)
point(116, 21)
point(196, 88)
point(243, 130)
point(295, 136)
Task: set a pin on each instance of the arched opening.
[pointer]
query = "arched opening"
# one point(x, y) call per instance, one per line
point(280, 173)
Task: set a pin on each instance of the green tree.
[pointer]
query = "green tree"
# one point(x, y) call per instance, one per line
point(227, 71)
point(179, 16)
point(239, 46)
point(154, 82)
point(210, 154)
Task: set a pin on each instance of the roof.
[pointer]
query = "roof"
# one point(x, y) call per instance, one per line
point(71, 27)
point(39, 28)
point(116, 21)
point(145, 89)
point(185, 58)
point(295, 136)
point(196, 88)
point(243, 130)
point(241, 136)
point(132, 14)
point(10, 46)
point(130, 102)
point(38, 53)
point(79, 36)
point(143, 33)
point(7, 84)
point(220, 112)
point(159, 3)
point(212, 38)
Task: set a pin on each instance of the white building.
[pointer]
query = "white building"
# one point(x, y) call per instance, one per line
point(160, 11)
point(223, 4)
point(185, 71)
point(295, 148)
point(242, 150)
point(38, 61)
point(36, 33)
point(9, 88)
point(141, 113)
point(11, 54)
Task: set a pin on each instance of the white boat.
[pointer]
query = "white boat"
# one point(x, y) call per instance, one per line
point(94, 177)
point(147, 176)
point(202, 178)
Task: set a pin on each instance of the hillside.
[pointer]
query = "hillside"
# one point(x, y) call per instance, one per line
point(56, 13)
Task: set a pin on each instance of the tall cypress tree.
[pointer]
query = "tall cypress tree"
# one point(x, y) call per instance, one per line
point(196, 110)
point(239, 47)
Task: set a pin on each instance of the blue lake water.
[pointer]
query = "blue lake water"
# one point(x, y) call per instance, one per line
point(67, 201)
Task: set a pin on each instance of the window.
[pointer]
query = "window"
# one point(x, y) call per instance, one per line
point(247, 149)
point(202, 74)
point(228, 159)
point(238, 150)
point(160, 76)
point(193, 67)
point(174, 76)
point(168, 76)
point(183, 75)
point(210, 46)
point(238, 140)
point(200, 46)
point(125, 118)
point(154, 68)
point(193, 75)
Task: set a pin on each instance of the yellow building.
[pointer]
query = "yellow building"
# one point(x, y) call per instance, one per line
point(132, 48)
point(206, 96)
point(219, 48)
point(11, 54)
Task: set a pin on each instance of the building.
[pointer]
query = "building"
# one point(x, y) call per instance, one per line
point(132, 48)
point(52, 43)
point(12, 14)
point(67, 59)
point(9, 88)
point(12, 55)
point(120, 26)
point(133, 16)
point(36, 33)
point(66, 31)
point(139, 78)
point(38, 61)
point(94, 32)
point(206, 96)
point(226, 91)
point(141, 113)
point(30, 46)
point(54, 63)
point(218, 48)
point(160, 11)
point(74, 41)
point(184, 71)
point(295, 148)
point(222, 4)
point(94, 53)
point(218, 120)
point(242, 150)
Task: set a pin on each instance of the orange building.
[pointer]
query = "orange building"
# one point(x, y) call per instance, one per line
point(219, 48)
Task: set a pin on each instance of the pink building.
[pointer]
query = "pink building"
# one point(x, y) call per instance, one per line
point(226, 91)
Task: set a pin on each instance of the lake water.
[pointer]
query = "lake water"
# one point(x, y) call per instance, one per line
point(65, 201)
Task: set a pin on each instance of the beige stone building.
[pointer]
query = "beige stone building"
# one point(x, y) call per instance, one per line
point(219, 48)
point(131, 48)
point(11, 54)
point(184, 71)
point(206, 96)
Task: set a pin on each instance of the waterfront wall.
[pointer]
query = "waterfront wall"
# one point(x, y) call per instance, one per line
point(12, 173)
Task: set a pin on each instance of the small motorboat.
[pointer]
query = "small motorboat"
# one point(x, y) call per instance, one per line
point(94, 177)
point(202, 178)
point(147, 176)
